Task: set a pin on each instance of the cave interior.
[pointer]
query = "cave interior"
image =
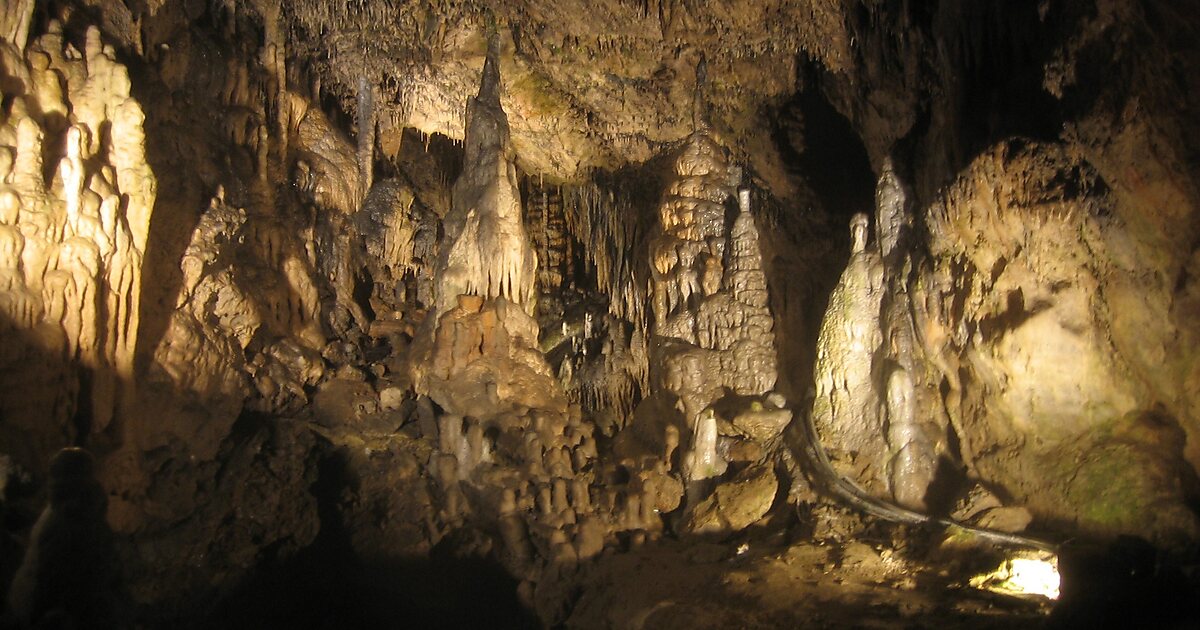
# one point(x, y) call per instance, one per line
point(599, 313)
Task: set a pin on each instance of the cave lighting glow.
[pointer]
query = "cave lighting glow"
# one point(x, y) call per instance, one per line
point(1023, 573)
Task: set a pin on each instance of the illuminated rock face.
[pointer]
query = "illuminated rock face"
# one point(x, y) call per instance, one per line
point(846, 407)
point(14, 22)
point(71, 247)
point(1003, 334)
point(1029, 313)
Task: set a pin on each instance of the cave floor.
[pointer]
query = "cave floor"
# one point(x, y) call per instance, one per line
point(862, 573)
point(805, 585)
point(750, 582)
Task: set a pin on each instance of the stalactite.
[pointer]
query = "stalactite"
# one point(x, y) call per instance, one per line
point(15, 18)
point(486, 250)
point(365, 136)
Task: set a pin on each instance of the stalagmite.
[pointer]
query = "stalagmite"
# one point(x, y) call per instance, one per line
point(486, 251)
point(913, 462)
point(702, 461)
point(845, 410)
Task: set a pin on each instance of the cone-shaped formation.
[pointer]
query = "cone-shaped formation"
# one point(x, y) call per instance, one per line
point(736, 320)
point(845, 410)
point(712, 324)
point(870, 368)
point(486, 251)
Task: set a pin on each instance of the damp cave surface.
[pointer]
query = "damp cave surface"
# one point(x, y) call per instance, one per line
point(599, 314)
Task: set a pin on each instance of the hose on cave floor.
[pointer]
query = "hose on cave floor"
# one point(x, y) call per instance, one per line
point(851, 494)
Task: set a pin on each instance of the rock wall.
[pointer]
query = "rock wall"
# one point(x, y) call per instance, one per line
point(1075, 350)
point(1002, 333)
point(1032, 278)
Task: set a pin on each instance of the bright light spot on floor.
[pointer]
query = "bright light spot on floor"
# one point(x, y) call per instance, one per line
point(1024, 573)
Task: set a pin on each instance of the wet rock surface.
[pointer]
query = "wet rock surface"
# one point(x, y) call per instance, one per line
point(365, 314)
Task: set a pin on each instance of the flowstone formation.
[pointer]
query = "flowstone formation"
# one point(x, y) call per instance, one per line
point(873, 408)
point(76, 195)
point(714, 342)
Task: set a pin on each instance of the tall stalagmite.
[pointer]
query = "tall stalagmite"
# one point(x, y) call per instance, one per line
point(486, 251)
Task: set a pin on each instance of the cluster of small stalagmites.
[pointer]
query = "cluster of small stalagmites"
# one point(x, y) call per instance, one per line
point(554, 503)
point(71, 248)
point(870, 369)
point(512, 450)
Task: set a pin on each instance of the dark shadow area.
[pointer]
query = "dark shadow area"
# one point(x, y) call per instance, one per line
point(820, 145)
point(327, 585)
point(1127, 584)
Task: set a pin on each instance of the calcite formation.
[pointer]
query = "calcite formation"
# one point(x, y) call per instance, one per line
point(15, 18)
point(846, 407)
point(71, 246)
point(504, 427)
point(874, 408)
point(712, 324)
point(709, 301)
point(486, 251)
point(326, 332)
point(400, 239)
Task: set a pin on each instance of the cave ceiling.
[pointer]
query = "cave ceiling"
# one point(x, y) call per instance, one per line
point(588, 85)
